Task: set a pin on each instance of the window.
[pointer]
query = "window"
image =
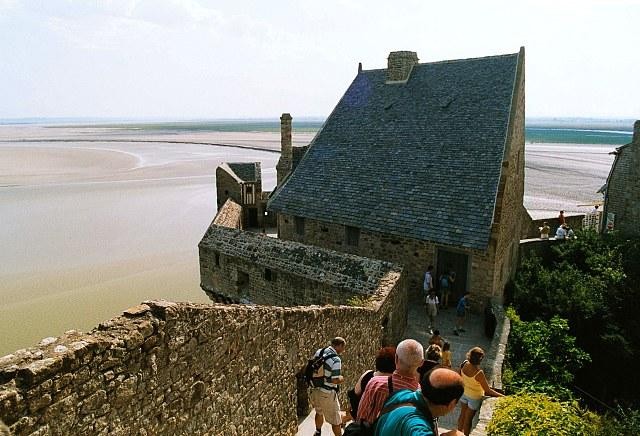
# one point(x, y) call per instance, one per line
point(299, 222)
point(269, 275)
point(243, 280)
point(216, 256)
point(352, 235)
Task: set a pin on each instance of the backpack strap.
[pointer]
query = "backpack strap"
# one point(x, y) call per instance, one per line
point(390, 385)
point(366, 379)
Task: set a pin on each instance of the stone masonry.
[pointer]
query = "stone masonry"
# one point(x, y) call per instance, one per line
point(187, 369)
point(258, 269)
point(622, 196)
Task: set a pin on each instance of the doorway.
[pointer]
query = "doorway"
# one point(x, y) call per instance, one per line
point(253, 217)
point(457, 262)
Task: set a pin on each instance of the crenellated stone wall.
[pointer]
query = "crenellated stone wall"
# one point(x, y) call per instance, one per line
point(167, 368)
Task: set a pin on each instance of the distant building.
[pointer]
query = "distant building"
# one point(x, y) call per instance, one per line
point(622, 191)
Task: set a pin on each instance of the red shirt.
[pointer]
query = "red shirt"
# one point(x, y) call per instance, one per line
point(377, 392)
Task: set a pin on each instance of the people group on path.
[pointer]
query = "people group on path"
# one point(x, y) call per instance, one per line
point(406, 393)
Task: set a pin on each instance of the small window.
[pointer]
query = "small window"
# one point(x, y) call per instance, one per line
point(269, 275)
point(324, 229)
point(226, 193)
point(216, 256)
point(243, 280)
point(249, 189)
point(352, 235)
point(299, 221)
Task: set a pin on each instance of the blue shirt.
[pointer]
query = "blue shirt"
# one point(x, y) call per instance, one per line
point(405, 420)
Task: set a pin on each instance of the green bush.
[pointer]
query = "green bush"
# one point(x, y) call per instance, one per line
point(541, 356)
point(626, 422)
point(530, 414)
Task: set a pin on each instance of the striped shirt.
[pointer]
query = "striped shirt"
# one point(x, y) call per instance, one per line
point(332, 368)
point(377, 392)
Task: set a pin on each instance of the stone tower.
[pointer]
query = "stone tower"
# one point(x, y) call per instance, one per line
point(285, 163)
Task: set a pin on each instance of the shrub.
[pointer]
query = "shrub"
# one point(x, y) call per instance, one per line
point(531, 414)
point(542, 356)
point(627, 422)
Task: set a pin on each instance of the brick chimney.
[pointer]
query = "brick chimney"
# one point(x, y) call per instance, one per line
point(400, 64)
point(285, 163)
point(285, 135)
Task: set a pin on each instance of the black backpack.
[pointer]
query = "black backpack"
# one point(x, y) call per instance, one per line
point(314, 371)
point(357, 428)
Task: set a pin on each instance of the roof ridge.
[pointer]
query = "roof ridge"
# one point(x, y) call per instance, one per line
point(450, 61)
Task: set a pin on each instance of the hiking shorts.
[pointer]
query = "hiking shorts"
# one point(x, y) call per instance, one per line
point(470, 402)
point(326, 404)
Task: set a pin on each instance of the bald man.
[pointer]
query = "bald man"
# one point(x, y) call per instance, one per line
point(408, 413)
point(409, 357)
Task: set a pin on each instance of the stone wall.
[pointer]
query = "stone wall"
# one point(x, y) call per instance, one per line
point(532, 227)
point(623, 187)
point(186, 369)
point(227, 186)
point(412, 254)
point(258, 269)
point(508, 219)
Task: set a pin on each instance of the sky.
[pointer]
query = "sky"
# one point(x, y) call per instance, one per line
point(188, 59)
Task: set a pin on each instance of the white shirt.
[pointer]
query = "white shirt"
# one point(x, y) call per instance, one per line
point(561, 233)
point(428, 281)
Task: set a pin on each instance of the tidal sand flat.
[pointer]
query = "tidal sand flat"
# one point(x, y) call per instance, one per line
point(91, 228)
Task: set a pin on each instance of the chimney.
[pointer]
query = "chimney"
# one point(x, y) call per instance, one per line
point(636, 132)
point(400, 64)
point(285, 136)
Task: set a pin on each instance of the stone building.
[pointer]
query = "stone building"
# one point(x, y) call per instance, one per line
point(242, 183)
point(418, 164)
point(622, 192)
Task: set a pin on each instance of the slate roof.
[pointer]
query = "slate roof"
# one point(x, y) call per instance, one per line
point(420, 159)
point(248, 172)
point(354, 273)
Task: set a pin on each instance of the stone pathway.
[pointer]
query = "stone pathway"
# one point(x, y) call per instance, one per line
point(417, 328)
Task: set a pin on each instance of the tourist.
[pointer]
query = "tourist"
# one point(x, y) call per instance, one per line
point(561, 219)
point(432, 359)
point(561, 233)
point(409, 357)
point(446, 283)
point(461, 313)
point(544, 230)
point(570, 233)
point(446, 355)
point(385, 365)
point(427, 284)
point(432, 308)
point(595, 210)
point(325, 398)
point(475, 388)
point(436, 338)
point(439, 392)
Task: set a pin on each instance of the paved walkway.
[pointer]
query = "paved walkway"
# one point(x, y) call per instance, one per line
point(417, 328)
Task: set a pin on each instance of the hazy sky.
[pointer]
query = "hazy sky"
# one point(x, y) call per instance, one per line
point(236, 59)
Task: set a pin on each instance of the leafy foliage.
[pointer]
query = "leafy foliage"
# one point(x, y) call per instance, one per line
point(533, 414)
point(542, 356)
point(627, 422)
point(594, 283)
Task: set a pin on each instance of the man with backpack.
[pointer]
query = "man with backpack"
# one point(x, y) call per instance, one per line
point(325, 380)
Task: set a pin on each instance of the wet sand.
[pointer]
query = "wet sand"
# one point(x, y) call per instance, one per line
point(88, 229)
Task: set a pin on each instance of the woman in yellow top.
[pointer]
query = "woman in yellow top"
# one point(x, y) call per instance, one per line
point(475, 387)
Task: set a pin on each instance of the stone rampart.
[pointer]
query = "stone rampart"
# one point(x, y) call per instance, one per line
point(187, 369)
point(532, 227)
point(252, 267)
